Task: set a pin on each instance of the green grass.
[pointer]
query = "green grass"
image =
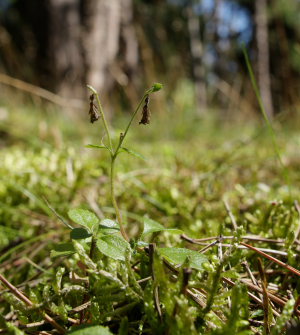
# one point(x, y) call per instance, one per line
point(191, 167)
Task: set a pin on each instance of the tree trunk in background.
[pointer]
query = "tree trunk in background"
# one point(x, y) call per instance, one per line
point(104, 22)
point(263, 61)
point(129, 37)
point(197, 53)
point(65, 53)
point(101, 20)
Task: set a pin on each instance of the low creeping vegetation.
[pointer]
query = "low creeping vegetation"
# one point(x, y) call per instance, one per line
point(137, 275)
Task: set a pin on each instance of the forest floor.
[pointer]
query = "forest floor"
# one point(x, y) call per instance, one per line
point(227, 190)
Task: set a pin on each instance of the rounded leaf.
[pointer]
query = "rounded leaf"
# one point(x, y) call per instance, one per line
point(84, 218)
point(62, 250)
point(79, 234)
point(108, 226)
point(179, 256)
point(113, 246)
point(151, 226)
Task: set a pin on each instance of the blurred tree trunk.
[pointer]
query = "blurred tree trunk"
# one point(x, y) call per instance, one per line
point(263, 58)
point(106, 25)
point(197, 52)
point(101, 20)
point(85, 40)
point(65, 54)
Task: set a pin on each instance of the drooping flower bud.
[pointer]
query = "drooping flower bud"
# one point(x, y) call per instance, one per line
point(146, 112)
point(93, 111)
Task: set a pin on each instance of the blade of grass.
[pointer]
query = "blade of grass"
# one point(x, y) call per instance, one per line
point(266, 118)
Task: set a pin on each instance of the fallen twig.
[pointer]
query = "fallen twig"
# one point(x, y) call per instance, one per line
point(271, 258)
point(28, 302)
point(232, 218)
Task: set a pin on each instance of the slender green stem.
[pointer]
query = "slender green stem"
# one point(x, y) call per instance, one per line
point(113, 197)
point(130, 121)
point(102, 116)
point(112, 167)
point(114, 153)
point(93, 245)
point(104, 122)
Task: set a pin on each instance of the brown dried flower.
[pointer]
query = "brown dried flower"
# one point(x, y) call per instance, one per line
point(93, 111)
point(146, 112)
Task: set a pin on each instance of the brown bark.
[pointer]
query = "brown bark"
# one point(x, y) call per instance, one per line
point(102, 21)
point(64, 46)
point(263, 58)
point(197, 52)
point(106, 23)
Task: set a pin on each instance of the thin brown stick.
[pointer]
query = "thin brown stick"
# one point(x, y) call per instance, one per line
point(28, 302)
point(81, 307)
point(152, 248)
point(246, 237)
point(232, 218)
point(246, 265)
point(226, 245)
point(271, 258)
point(40, 92)
point(202, 251)
point(297, 233)
point(258, 289)
point(144, 279)
point(195, 298)
point(266, 302)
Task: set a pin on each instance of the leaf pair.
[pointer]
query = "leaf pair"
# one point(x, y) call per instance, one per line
point(177, 256)
point(122, 149)
point(87, 220)
point(108, 243)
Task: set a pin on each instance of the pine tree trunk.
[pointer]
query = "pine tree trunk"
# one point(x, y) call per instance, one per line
point(65, 47)
point(101, 20)
point(263, 60)
point(197, 52)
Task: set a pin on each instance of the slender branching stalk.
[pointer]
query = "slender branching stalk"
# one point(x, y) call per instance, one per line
point(115, 151)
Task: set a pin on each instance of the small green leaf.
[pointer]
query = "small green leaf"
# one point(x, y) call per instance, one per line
point(84, 218)
point(133, 153)
point(90, 330)
point(151, 226)
point(156, 87)
point(62, 249)
point(108, 226)
point(94, 146)
point(79, 234)
point(113, 246)
point(179, 255)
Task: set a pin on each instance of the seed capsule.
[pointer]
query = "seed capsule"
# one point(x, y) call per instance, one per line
point(146, 112)
point(93, 111)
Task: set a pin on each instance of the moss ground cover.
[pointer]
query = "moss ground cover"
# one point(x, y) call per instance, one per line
point(191, 210)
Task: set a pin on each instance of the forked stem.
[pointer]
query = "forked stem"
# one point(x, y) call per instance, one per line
point(114, 153)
